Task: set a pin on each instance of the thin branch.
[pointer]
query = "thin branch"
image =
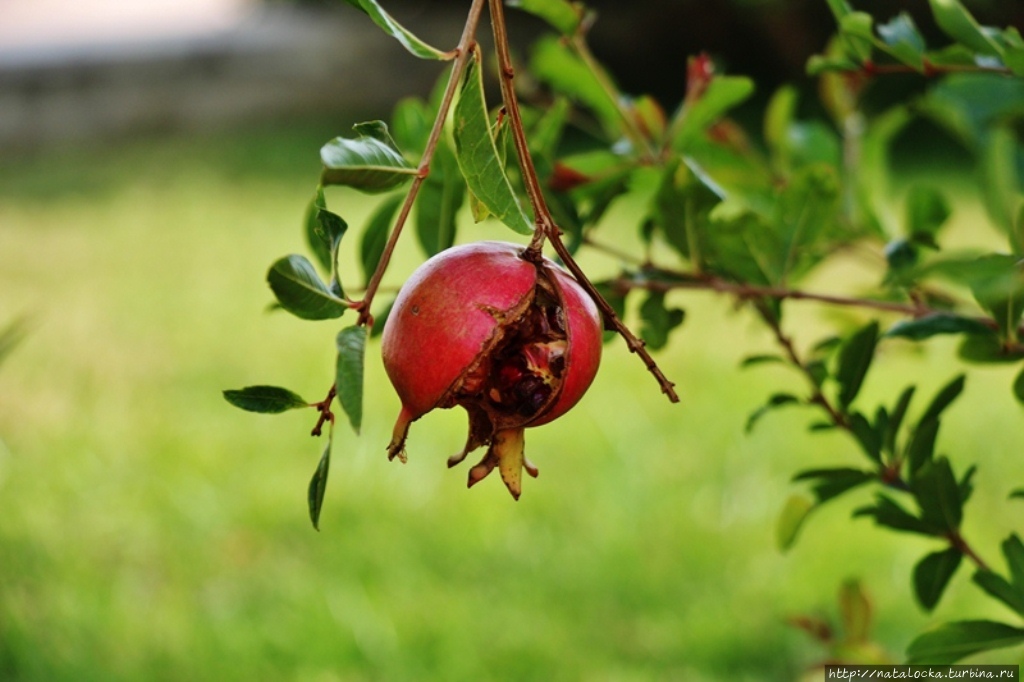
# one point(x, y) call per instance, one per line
point(546, 227)
point(463, 54)
point(324, 407)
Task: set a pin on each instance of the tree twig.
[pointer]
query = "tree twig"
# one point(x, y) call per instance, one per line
point(545, 223)
point(463, 55)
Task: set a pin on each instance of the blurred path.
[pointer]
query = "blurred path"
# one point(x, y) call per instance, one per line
point(98, 69)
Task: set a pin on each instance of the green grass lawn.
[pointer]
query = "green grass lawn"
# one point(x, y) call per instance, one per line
point(150, 531)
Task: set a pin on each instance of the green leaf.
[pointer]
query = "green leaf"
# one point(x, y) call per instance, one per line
point(869, 437)
point(694, 118)
point(370, 162)
point(1001, 186)
point(937, 493)
point(324, 231)
point(318, 486)
point(375, 235)
point(775, 402)
point(793, 515)
point(753, 360)
point(854, 361)
point(300, 291)
point(265, 399)
point(921, 446)
point(855, 611)
point(856, 30)
point(11, 335)
point(1018, 387)
point(903, 41)
point(351, 343)
point(1013, 550)
point(999, 588)
point(658, 320)
point(385, 21)
point(478, 155)
point(887, 512)
point(441, 196)
point(952, 641)
point(933, 573)
point(553, 63)
point(927, 211)
point(830, 483)
point(944, 398)
point(921, 328)
point(564, 16)
point(988, 349)
point(957, 23)
point(896, 419)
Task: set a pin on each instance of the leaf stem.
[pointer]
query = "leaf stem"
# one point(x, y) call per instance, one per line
point(463, 54)
point(546, 227)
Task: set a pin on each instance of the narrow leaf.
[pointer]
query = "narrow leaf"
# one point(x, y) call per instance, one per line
point(564, 16)
point(952, 641)
point(692, 121)
point(793, 515)
point(896, 418)
point(946, 395)
point(855, 611)
point(829, 483)
point(375, 235)
point(854, 361)
point(956, 22)
point(927, 211)
point(903, 41)
point(441, 196)
point(11, 335)
point(921, 446)
point(300, 291)
point(658, 320)
point(887, 512)
point(937, 493)
point(385, 21)
point(478, 155)
point(318, 486)
point(775, 402)
point(1013, 550)
point(1018, 387)
point(921, 328)
point(351, 343)
point(370, 162)
point(869, 437)
point(265, 399)
point(553, 63)
point(1000, 588)
point(933, 573)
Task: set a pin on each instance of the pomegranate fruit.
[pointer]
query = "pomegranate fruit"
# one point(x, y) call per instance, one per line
point(516, 343)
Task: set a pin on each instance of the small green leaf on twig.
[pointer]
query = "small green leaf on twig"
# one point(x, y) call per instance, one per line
point(351, 343)
point(933, 573)
point(562, 15)
point(375, 235)
point(300, 291)
point(478, 155)
point(370, 162)
point(266, 399)
point(952, 641)
point(793, 515)
point(385, 21)
point(318, 485)
point(854, 361)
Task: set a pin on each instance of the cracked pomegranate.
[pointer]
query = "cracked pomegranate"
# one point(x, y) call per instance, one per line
point(515, 343)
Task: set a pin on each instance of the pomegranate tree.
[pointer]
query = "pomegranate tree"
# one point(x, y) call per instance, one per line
point(513, 341)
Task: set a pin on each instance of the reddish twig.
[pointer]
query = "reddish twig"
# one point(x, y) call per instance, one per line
point(545, 223)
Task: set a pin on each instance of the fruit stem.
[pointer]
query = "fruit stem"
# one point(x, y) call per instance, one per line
point(463, 52)
point(546, 227)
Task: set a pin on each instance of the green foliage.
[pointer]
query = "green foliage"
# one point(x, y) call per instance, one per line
point(268, 399)
point(752, 217)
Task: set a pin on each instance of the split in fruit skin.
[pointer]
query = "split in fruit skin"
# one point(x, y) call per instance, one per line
point(523, 354)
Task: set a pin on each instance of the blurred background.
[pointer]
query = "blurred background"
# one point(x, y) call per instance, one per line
point(155, 158)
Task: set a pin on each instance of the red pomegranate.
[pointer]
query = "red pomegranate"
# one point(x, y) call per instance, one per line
point(516, 343)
